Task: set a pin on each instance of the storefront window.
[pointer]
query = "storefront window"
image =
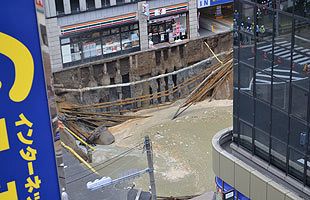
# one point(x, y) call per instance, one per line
point(70, 50)
point(75, 50)
point(91, 48)
point(91, 45)
point(111, 44)
point(130, 40)
point(99, 43)
point(168, 29)
point(179, 28)
point(105, 3)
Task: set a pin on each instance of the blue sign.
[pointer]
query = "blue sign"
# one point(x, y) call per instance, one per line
point(28, 166)
point(207, 3)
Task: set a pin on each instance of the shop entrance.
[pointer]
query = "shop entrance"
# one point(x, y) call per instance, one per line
point(167, 29)
point(159, 32)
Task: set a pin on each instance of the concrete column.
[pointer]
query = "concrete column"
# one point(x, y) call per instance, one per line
point(118, 76)
point(50, 8)
point(105, 78)
point(112, 2)
point(154, 86)
point(67, 6)
point(144, 41)
point(193, 19)
point(92, 81)
point(98, 4)
point(162, 88)
point(146, 91)
point(136, 91)
point(82, 5)
point(53, 33)
point(170, 86)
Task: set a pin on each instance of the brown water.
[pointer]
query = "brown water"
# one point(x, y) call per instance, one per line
point(182, 149)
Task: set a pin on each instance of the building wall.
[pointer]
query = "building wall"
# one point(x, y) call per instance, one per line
point(271, 97)
point(57, 22)
point(251, 180)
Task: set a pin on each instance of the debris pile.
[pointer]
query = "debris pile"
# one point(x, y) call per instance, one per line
point(218, 75)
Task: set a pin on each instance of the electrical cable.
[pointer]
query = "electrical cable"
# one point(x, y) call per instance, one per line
point(116, 158)
point(104, 162)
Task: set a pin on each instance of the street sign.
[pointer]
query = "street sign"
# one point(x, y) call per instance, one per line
point(207, 3)
point(28, 166)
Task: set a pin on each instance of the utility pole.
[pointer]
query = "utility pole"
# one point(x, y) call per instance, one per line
point(149, 153)
point(107, 181)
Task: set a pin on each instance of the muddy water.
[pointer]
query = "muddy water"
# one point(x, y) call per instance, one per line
point(182, 152)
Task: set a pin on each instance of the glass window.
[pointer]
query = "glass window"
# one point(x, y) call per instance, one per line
point(70, 49)
point(59, 7)
point(276, 58)
point(246, 108)
point(296, 166)
point(246, 135)
point(263, 85)
point(43, 34)
point(124, 28)
point(119, 2)
point(161, 28)
point(75, 6)
point(114, 30)
point(111, 44)
point(247, 34)
point(246, 82)
point(301, 57)
point(178, 27)
point(261, 144)
point(75, 49)
point(299, 102)
point(308, 170)
point(302, 8)
point(90, 4)
point(286, 5)
point(134, 26)
point(130, 40)
point(235, 126)
point(235, 71)
point(282, 52)
point(263, 31)
point(105, 3)
point(262, 116)
point(106, 32)
point(91, 45)
point(91, 48)
point(278, 153)
point(279, 125)
point(154, 29)
point(281, 91)
point(297, 128)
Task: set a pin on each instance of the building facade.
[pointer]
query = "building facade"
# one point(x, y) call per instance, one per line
point(269, 154)
point(82, 31)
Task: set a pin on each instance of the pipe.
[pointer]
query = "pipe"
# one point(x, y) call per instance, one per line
point(79, 158)
point(78, 138)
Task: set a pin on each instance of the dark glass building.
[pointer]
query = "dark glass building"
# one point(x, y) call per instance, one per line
point(271, 83)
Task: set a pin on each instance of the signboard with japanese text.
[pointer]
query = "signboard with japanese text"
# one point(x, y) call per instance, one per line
point(207, 3)
point(28, 165)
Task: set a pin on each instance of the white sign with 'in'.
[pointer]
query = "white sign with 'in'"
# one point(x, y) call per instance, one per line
point(203, 3)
